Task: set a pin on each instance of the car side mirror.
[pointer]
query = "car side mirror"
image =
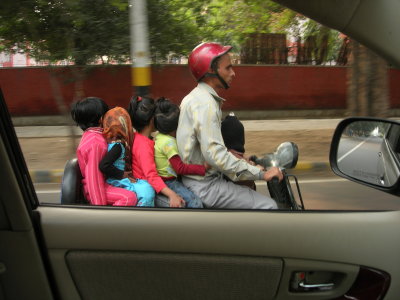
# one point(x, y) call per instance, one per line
point(367, 151)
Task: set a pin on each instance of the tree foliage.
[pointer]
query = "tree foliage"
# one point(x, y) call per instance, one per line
point(174, 26)
point(54, 30)
point(87, 30)
point(230, 22)
point(84, 31)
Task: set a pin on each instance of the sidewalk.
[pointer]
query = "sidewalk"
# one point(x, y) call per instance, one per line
point(55, 175)
point(252, 125)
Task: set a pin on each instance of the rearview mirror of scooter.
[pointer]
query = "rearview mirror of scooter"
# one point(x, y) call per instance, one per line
point(285, 157)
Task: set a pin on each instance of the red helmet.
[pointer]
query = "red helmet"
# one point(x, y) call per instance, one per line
point(203, 55)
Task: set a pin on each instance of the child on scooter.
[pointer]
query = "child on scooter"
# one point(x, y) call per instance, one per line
point(88, 113)
point(116, 164)
point(141, 110)
point(168, 162)
point(232, 131)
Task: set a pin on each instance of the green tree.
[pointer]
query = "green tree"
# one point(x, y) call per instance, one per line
point(234, 21)
point(316, 43)
point(325, 42)
point(80, 31)
point(174, 26)
point(230, 22)
point(84, 31)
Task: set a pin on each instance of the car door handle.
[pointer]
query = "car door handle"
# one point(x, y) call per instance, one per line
point(312, 281)
point(320, 286)
point(316, 286)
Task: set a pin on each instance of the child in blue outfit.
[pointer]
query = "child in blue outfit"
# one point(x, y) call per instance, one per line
point(116, 164)
point(168, 162)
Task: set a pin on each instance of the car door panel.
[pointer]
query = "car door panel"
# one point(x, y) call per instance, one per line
point(124, 243)
point(154, 275)
point(22, 271)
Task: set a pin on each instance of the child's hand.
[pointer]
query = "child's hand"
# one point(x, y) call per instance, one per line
point(129, 175)
point(250, 159)
point(176, 201)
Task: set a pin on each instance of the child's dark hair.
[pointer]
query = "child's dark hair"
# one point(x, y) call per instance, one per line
point(87, 112)
point(166, 116)
point(141, 110)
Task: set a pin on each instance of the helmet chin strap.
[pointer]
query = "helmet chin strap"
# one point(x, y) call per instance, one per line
point(221, 80)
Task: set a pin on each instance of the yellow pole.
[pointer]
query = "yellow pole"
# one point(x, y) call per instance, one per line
point(140, 55)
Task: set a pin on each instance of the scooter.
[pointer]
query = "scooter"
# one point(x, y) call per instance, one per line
point(285, 157)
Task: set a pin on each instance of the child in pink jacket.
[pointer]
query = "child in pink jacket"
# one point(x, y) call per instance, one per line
point(88, 113)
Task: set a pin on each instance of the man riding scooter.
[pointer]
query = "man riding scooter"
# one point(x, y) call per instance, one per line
point(199, 136)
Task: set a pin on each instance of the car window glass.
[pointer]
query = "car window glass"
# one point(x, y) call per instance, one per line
point(39, 93)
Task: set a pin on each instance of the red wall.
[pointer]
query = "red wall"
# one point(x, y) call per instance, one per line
point(287, 87)
point(28, 91)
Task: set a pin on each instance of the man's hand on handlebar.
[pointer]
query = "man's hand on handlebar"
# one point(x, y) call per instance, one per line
point(273, 172)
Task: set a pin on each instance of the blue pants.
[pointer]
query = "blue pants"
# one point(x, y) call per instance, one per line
point(143, 190)
point(192, 201)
